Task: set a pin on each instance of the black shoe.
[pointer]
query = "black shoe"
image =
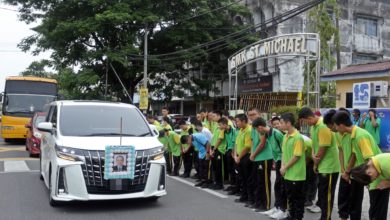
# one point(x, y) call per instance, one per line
point(308, 203)
point(196, 176)
point(206, 185)
point(237, 193)
point(249, 204)
point(234, 192)
point(229, 188)
point(200, 184)
point(217, 187)
point(260, 209)
point(241, 200)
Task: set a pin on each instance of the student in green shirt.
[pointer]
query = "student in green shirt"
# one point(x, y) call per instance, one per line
point(173, 141)
point(293, 167)
point(153, 121)
point(167, 151)
point(230, 135)
point(218, 150)
point(351, 192)
point(364, 147)
point(241, 157)
point(262, 158)
point(372, 124)
point(326, 160)
point(186, 150)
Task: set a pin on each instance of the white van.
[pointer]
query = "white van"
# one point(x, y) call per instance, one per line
point(94, 150)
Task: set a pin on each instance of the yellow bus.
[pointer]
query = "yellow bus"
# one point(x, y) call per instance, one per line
point(22, 97)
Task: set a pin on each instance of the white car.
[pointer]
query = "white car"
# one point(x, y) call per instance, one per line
point(73, 160)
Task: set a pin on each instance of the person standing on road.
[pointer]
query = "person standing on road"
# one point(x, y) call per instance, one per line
point(372, 124)
point(153, 121)
point(356, 119)
point(173, 140)
point(166, 123)
point(186, 150)
point(241, 157)
point(364, 147)
point(201, 143)
point(325, 157)
point(218, 150)
point(263, 158)
point(230, 135)
point(293, 167)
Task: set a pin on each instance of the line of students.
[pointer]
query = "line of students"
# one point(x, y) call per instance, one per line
point(244, 157)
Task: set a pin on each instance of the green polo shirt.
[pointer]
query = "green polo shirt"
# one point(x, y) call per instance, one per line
point(230, 136)
point(266, 153)
point(364, 147)
point(293, 146)
point(164, 141)
point(174, 143)
point(344, 143)
point(382, 165)
point(243, 140)
point(219, 135)
point(277, 140)
point(374, 131)
point(322, 136)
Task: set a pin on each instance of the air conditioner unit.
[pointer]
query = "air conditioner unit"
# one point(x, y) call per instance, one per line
point(379, 89)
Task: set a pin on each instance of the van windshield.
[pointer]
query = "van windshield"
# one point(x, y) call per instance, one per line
point(99, 120)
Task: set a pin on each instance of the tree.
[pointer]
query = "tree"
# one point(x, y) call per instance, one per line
point(37, 68)
point(95, 34)
point(322, 19)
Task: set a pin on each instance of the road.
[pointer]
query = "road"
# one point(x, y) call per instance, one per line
point(24, 197)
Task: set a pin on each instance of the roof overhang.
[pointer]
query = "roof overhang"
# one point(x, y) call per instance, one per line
point(349, 76)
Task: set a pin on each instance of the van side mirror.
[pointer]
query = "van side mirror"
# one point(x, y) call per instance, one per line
point(154, 130)
point(45, 127)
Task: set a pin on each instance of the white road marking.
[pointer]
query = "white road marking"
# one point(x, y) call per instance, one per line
point(15, 166)
point(220, 195)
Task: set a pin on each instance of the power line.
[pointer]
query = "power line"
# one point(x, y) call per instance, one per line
point(8, 9)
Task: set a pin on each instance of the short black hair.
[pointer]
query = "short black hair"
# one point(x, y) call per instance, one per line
point(223, 121)
point(288, 117)
point(202, 110)
point(165, 108)
point(161, 133)
point(276, 118)
point(373, 111)
point(242, 117)
point(328, 118)
point(305, 112)
point(346, 110)
point(357, 111)
point(166, 119)
point(150, 117)
point(359, 174)
point(217, 112)
point(259, 122)
point(343, 118)
point(198, 123)
point(184, 139)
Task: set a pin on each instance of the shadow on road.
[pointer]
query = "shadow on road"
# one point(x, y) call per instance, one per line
point(14, 141)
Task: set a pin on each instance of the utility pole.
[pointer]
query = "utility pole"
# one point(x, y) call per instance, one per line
point(145, 58)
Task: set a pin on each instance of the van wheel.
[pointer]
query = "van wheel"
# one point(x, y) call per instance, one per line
point(52, 202)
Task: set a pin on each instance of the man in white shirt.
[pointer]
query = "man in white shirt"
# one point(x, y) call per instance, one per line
point(199, 127)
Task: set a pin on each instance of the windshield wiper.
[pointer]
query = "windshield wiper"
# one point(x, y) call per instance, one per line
point(143, 135)
point(109, 134)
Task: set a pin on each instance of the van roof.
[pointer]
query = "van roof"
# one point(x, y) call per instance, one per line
point(93, 102)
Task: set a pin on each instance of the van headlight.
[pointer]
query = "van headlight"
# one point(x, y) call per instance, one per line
point(67, 153)
point(156, 153)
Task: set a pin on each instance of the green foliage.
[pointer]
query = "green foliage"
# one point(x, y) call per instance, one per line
point(37, 68)
point(84, 33)
point(285, 109)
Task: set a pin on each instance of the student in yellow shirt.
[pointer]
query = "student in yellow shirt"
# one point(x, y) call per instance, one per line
point(326, 160)
point(241, 156)
point(364, 147)
point(166, 123)
point(293, 167)
point(153, 121)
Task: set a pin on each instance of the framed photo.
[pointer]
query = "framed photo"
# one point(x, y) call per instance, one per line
point(119, 162)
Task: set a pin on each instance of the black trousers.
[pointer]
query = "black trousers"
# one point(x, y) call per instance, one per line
point(195, 161)
point(187, 161)
point(231, 168)
point(379, 201)
point(176, 165)
point(244, 173)
point(311, 183)
point(218, 169)
point(168, 159)
point(261, 174)
point(350, 199)
point(326, 189)
point(279, 188)
point(296, 198)
point(204, 169)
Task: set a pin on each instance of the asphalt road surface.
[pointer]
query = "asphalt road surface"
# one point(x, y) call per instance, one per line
point(24, 197)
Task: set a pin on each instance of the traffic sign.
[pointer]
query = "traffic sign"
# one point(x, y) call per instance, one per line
point(143, 101)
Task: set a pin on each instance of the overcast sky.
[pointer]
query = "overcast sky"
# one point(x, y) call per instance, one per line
point(12, 31)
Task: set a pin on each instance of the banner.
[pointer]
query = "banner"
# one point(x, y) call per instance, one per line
point(361, 95)
point(254, 85)
point(143, 101)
